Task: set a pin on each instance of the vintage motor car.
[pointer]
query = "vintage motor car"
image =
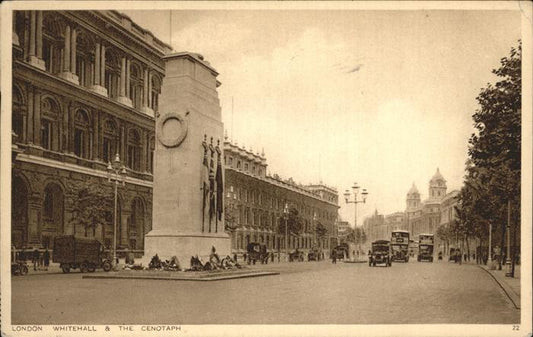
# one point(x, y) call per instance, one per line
point(257, 252)
point(381, 253)
point(73, 252)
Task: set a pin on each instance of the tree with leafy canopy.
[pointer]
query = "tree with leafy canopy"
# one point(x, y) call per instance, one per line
point(293, 221)
point(230, 220)
point(92, 206)
point(321, 230)
point(493, 169)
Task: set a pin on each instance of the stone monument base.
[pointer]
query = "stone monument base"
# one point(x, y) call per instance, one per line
point(184, 245)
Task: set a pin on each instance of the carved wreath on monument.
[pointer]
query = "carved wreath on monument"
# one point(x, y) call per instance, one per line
point(172, 129)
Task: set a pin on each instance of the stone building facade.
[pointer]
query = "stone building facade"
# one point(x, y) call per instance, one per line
point(85, 88)
point(255, 201)
point(419, 217)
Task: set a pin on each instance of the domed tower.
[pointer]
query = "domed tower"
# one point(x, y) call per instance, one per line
point(437, 186)
point(413, 198)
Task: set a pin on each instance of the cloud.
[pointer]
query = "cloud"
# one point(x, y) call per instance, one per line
point(355, 69)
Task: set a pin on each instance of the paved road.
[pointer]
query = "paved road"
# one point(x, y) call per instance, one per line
point(304, 293)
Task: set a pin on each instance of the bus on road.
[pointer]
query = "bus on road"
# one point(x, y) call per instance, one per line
point(425, 247)
point(400, 245)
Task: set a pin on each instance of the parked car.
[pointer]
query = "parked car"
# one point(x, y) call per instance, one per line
point(73, 253)
point(257, 252)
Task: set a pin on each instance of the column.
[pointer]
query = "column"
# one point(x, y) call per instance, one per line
point(102, 65)
point(30, 123)
point(39, 34)
point(66, 54)
point(98, 72)
point(33, 27)
point(37, 117)
point(73, 38)
point(97, 64)
point(123, 77)
point(124, 83)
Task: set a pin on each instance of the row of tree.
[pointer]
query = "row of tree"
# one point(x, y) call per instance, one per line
point(490, 196)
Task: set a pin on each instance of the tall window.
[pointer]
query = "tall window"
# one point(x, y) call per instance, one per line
point(49, 124)
point(154, 94)
point(136, 85)
point(81, 134)
point(109, 141)
point(53, 42)
point(84, 58)
point(112, 72)
point(134, 150)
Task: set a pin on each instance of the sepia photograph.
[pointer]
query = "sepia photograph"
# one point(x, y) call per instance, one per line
point(266, 168)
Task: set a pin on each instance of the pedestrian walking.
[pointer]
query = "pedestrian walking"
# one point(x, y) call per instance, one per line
point(334, 257)
point(46, 259)
point(35, 259)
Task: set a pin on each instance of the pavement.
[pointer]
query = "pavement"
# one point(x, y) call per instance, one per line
point(302, 293)
point(510, 285)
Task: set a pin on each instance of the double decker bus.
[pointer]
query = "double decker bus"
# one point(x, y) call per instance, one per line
point(425, 247)
point(400, 245)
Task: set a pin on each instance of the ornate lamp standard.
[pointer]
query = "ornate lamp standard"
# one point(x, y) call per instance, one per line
point(355, 200)
point(116, 172)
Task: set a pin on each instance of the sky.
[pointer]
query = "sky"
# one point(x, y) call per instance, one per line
point(381, 98)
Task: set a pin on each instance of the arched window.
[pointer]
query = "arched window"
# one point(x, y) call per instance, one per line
point(81, 134)
point(112, 72)
point(110, 136)
point(53, 42)
point(134, 150)
point(50, 124)
point(85, 47)
point(136, 85)
point(155, 91)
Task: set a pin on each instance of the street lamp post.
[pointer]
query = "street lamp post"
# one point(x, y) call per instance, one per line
point(509, 272)
point(355, 200)
point(490, 244)
point(286, 216)
point(116, 172)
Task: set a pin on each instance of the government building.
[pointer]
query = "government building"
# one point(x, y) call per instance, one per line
point(255, 203)
point(85, 88)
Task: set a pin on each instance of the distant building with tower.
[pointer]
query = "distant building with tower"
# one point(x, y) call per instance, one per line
point(419, 216)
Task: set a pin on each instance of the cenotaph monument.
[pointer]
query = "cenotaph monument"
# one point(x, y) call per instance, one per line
point(188, 174)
